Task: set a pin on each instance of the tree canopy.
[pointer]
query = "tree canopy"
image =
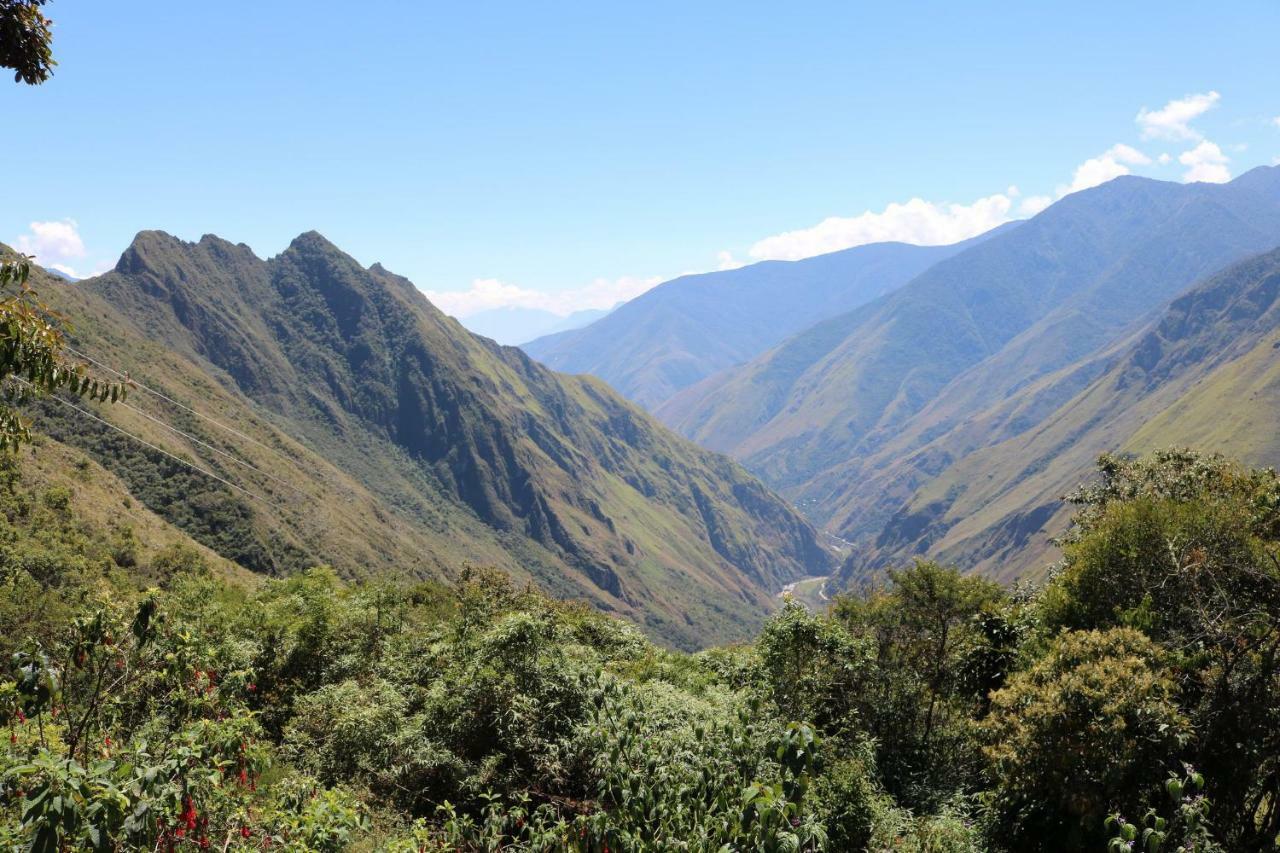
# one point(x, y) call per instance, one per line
point(26, 40)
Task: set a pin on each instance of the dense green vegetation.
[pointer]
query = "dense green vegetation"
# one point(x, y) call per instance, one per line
point(152, 702)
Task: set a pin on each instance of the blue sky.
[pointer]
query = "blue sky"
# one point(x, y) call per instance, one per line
point(563, 156)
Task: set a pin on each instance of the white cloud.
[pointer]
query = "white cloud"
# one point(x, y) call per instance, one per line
point(53, 244)
point(1112, 163)
point(1173, 120)
point(1165, 159)
point(924, 223)
point(1033, 204)
point(487, 293)
point(726, 261)
point(1276, 121)
point(1205, 162)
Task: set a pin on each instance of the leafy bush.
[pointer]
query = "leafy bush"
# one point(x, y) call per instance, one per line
point(937, 713)
point(1080, 733)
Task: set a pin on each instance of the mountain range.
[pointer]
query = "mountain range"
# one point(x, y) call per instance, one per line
point(1206, 375)
point(685, 330)
point(306, 409)
point(926, 402)
point(854, 417)
point(338, 417)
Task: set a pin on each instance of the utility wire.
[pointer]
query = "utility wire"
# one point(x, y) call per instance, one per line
point(219, 451)
point(132, 381)
point(154, 447)
point(168, 399)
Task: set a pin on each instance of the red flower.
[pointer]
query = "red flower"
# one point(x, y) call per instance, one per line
point(244, 832)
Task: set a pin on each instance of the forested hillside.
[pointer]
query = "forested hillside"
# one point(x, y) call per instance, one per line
point(358, 426)
point(154, 700)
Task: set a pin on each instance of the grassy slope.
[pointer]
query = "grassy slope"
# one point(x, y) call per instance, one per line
point(99, 499)
point(1207, 375)
point(412, 445)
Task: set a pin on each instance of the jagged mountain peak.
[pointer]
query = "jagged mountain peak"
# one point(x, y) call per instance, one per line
point(488, 453)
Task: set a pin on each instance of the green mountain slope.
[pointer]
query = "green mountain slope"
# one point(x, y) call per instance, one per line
point(852, 416)
point(691, 327)
point(1206, 376)
point(387, 438)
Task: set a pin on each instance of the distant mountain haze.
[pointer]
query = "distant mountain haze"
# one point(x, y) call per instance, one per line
point(512, 325)
point(852, 416)
point(691, 327)
point(388, 438)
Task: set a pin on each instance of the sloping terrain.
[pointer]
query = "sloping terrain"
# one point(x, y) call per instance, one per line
point(383, 437)
point(691, 327)
point(1206, 376)
point(852, 416)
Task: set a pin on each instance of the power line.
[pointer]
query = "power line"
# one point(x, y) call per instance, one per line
point(156, 448)
point(232, 430)
point(217, 450)
point(169, 399)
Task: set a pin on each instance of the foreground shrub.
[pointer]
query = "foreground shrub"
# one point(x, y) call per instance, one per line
point(1082, 733)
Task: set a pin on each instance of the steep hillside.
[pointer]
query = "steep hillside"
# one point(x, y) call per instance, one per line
point(1206, 376)
point(853, 415)
point(689, 328)
point(384, 437)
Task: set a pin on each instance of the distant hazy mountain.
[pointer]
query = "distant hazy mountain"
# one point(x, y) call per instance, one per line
point(512, 326)
point(387, 438)
point(688, 328)
point(852, 416)
point(1205, 375)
